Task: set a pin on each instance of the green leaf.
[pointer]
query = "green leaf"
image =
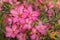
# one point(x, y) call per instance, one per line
point(55, 1)
point(6, 8)
point(21, 1)
point(57, 15)
point(2, 37)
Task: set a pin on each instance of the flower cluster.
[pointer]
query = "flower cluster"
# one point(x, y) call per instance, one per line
point(21, 19)
point(31, 19)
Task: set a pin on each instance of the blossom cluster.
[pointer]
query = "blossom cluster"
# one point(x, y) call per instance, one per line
point(31, 19)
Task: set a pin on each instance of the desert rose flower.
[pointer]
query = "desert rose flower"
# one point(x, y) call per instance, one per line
point(28, 24)
point(58, 3)
point(21, 36)
point(32, 14)
point(50, 14)
point(50, 5)
point(11, 32)
point(41, 28)
point(34, 35)
point(18, 12)
point(58, 21)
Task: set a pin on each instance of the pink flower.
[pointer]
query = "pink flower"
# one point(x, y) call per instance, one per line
point(50, 5)
point(58, 31)
point(40, 1)
point(58, 5)
point(15, 20)
point(28, 24)
point(32, 14)
point(21, 36)
point(34, 35)
point(22, 18)
point(6, 0)
point(18, 12)
point(49, 14)
point(59, 21)
point(11, 32)
point(22, 21)
point(37, 3)
point(41, 28)
point(34, 31)
point(9, 20)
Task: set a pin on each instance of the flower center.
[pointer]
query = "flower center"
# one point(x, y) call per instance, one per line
point(12, 31)
point(40, 28)
point(30, 14)
point(20, 15)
